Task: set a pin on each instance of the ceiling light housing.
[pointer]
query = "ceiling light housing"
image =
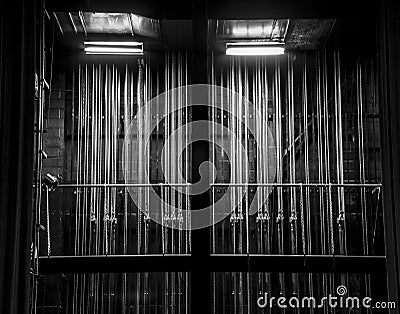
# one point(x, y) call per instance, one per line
point(113, 48)
point(255, 48)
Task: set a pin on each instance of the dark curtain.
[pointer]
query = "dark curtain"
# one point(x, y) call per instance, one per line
point(389, 56)
point(17, 59)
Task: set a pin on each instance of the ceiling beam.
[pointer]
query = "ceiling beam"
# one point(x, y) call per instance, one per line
point(225, 9)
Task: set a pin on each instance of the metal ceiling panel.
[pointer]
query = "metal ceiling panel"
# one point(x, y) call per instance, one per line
point(301, 34)
point(252, 29)
point(145, 26)
point(107, 23)
point(114, 23)
point(309, 34)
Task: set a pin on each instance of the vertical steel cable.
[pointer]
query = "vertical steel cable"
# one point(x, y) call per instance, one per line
point(214, 153)
point(292, 160)
point(234, 173)
point(85, 181)
point(149, 131)
point(157, 142)
point(247, 115)
point(78, 194)
point(96, 120)
point(116, 119)
point(246, 152)
point(188, 221)
point(92, 165)
point(106, 162)
point(99, 179)
point(147, 122)
point(166, 134)
point(172, 167)
point(78, 164)
point(213, 157)
point(109, 180)
point(162, 190)
point(92, 192)
point(133, 168)
point(240, 168)
point(228, 174)
point(307, 173)
point(265, 152)
point(261, 91)
point(48, 222)
point(265, 144)
point(140, 118)
point(360, 130)
point(339, 158)
point(84, 191)
point(320, 155)
point(306, 155)
point(235, 118)
point(262, 126)
point(213, 160)
point(97, 168)
point(327, 154)
point(245, 178)
point(157, 151)
point(179, 180)
point(187, 197)
point(241, 87)
point(172, 152)
point(292, 167)
point(233, 163)
point(180, 161)
point(238, 150)
point(258, 127)
point(375, 122)
point(361, 150)
point(85, 159)
point(329, 203)
point(278, 134)
point(321, 177)
point(125, 205)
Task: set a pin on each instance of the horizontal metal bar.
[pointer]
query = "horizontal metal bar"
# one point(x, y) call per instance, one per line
point(214, 263)
point(369, 185)
point(122, 185)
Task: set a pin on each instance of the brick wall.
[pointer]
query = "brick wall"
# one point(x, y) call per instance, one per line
point(54, 146)
point(54, 125)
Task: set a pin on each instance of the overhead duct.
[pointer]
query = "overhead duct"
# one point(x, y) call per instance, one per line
point(274, 30)
point(87, 23)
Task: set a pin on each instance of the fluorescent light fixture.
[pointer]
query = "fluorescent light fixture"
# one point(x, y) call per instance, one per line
point(113, 48)
point(254, 48)
point(252, 31)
